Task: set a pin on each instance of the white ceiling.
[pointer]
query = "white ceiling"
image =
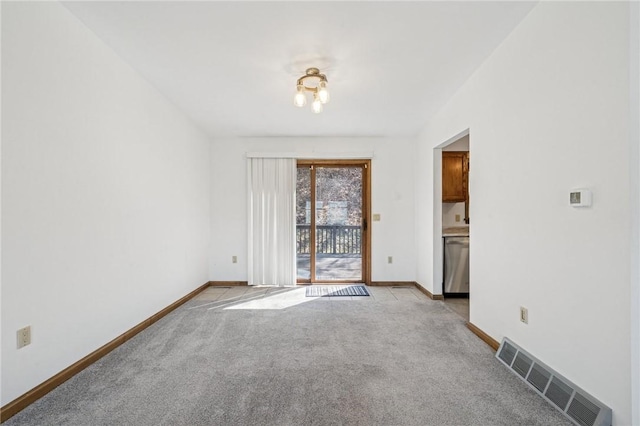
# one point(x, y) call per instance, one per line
point(232, 66)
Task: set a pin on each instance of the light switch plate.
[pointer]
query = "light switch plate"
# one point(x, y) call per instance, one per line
point(376, 217)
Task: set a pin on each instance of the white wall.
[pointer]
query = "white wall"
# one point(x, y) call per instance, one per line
point(392, 197)
point(105, 195)
point(549, 112)
point(449, 212)
point(634, 161)
point(0, 203)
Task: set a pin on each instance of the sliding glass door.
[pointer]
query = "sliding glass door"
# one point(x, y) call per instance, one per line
point(331, 221)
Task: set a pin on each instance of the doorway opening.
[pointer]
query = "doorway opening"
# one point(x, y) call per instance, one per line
point(452, 219)
point(332, 217)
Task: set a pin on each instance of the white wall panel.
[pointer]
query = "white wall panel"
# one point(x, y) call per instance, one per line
point(392, 198)
point(105, 195)
point(549, 112)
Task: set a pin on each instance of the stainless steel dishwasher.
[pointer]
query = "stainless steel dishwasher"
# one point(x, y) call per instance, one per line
point(456, 266)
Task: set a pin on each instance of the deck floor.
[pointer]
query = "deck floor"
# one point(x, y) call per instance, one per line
point(330, 268)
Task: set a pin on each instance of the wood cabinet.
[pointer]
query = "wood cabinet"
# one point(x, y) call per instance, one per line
point(455, 176)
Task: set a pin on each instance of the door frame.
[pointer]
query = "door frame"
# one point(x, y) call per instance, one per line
point(366, 215)
point(438, 246)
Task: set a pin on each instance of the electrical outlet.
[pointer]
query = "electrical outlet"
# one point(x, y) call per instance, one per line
point(524, 315)
point(390, 259)
point(234, 259)
point(457, 218)
point(24, 337)
point(376, 217)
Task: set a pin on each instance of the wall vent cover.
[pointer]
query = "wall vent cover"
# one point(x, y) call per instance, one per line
point(522, 364)
point(577, 405)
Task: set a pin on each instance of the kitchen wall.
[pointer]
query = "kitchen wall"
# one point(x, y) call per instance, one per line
point(549, 112)
point(105, 189)
point(392, 198)
point(449, 212)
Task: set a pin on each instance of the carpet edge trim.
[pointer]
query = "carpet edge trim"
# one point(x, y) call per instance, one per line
point(420, 288)
point(20, 403)
point(483, 336)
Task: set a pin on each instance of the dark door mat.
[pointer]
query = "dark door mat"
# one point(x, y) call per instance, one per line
point(336, 290)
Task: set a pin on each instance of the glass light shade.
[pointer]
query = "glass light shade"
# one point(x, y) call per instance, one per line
point(316, 106)
point(300, 99)
point(323, 93)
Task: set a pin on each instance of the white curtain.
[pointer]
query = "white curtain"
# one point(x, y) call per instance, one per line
point(272, 224)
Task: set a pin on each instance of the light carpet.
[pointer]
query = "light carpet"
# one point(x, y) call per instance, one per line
point(275, 357)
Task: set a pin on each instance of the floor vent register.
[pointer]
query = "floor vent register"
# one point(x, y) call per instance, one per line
point(577, 405)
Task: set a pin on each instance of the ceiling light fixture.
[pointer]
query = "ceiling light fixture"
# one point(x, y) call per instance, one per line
point(315, 83)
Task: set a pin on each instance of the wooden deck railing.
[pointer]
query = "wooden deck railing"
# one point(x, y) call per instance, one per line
point(330, 239)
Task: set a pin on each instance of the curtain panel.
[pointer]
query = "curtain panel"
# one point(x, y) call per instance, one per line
point(272, 225)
